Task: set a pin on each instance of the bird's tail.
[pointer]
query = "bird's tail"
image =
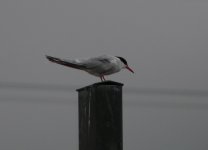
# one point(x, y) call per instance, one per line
point(65, 63)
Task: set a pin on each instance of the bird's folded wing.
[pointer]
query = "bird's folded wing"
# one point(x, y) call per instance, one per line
point(68, 63)
point(100, 65)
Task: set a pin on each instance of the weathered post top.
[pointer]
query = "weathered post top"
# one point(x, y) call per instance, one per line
point(100, 116)
point(101, 83)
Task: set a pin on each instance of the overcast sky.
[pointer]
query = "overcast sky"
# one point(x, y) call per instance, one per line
point(165, 41)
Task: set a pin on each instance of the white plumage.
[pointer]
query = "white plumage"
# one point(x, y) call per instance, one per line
point(97, 66)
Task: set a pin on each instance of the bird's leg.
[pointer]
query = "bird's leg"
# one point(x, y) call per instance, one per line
point(103, 78)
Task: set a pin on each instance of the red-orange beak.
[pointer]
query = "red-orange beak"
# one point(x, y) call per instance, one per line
point(127, 67)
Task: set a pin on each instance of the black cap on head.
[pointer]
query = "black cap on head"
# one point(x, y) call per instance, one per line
point(123, 60)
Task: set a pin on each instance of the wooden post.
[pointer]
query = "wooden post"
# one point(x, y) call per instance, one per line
point(100, 116)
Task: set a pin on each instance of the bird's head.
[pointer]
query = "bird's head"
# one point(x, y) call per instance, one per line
point(125, 64)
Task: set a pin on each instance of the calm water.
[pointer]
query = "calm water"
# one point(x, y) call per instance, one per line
point(48, 120)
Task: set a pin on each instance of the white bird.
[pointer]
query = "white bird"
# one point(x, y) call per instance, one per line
point(97, 66)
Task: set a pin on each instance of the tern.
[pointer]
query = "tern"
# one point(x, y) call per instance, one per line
point(98, 66)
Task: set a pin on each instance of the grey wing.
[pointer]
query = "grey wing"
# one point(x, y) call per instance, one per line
point(96, 62)
point(69, 63)
point(99, 64)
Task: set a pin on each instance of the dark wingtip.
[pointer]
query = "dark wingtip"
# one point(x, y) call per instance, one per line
point(48, 57)
point(52, 59)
